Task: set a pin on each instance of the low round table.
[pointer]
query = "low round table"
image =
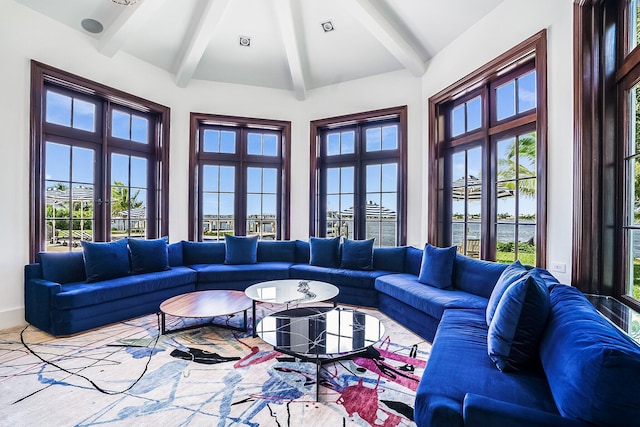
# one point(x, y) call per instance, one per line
point(289, 291)
point(321, 334)
point(205, 304)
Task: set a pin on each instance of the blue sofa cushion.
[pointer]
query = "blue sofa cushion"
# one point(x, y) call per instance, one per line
point(174, 251)
point(203, 253)
point(476, 276)
point(510, 274)
point(241, 249)
point(260, 271)
point(324, 252)
point(459, 365)
point(104, 261)
point(276, 251)
point(413, 260)
point(63, 267)
point(428, 299)
point(437, 266)
point(357, 254)
point(593, 368)
point(389, 259)
point(148, 256)
point(340, 277)
point(518, 323)
point(76, 295)
point(303, 252)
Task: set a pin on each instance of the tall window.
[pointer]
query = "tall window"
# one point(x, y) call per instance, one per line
point(240, 169)
point(487, 151)
point(358, 185)
point(99, 167)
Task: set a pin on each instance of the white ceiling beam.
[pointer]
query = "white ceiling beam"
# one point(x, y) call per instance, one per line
point(375, 22)
point(206, 17)
point(114, 37)
point(292, 40)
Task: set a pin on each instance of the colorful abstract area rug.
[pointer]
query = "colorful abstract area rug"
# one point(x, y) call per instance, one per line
point(126, 374)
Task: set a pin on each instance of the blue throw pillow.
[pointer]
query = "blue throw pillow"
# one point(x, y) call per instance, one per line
point(194, 253)
point(389, 259)
point(241, 249)
point(148, 256)
point(510, 275)
point(437, 266)
point(518, 323)
point(104, 261)
point(62, 267)
point(357, 254)
point(324, 252)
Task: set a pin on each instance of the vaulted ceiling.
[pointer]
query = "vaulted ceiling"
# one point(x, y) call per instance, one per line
point(278, 44)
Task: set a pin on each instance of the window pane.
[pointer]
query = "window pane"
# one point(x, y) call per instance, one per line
point(269, 180)
point(390, 137)
point(254, 205)
point(457, 207)
point(373, 177)
point(254, 144)
point(474, 162)
point(633, 264)
point(120, 124)
point(211, 141)
point(634, 24)
point(119, 169)
point(390, 177)
point(227, 142)
point(139, 129)
point(634, 119)
point(527, 200)
point(505, 249)
point(459, 169)
point(226, 205)
point(210, 178)
point(474, 203)
point(83, 165)
point(506, 204)
point(474, 114)
point(269, 205)
point(347, 180)
point(389, 205)
point(270, 145)
point(527, 155)
point(333, 144)
point(457, 234)
point(58, 163)
point(227, 179)
point(374, 139)
point(505, 100)
point(254, 180)
point(210, 206)
point(333, 180)
point(58, 109)
point(457, 121)
point(347, 142)
point(527, 92)
point(138, 172)
point(527, 244)
point(634, 190)
point(506, 161)
point(84, 114)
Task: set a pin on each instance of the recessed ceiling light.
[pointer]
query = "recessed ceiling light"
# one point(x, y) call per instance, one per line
point(92, 26)
point(327, 26)
point(245, 41)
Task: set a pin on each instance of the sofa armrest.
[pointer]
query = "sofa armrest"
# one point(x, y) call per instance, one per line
point(38, 295)
point(484, 411)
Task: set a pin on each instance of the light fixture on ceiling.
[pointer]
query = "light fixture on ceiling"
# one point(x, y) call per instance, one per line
point(245, 41)
point(91, 25)
point(125, 2)
point(327, 26)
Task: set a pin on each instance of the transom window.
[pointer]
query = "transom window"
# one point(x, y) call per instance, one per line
point(241, 179)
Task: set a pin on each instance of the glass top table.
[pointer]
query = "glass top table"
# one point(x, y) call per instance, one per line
point(289, 291)
point(321, 334)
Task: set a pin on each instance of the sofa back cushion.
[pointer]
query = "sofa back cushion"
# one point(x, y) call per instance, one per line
point(104, 261)
point(303, 252)
point(516, 328)
point(476, 276)
point(389, 259)
point(413, 260)
point(357, 254)
point(63, 267)
point(437, 266)
point(203, 253)
point(175, 254)
point(593, 368)
point(241, 249)
point(276, 251)
point(509, 276)
point(324, 252)
point(148, 256)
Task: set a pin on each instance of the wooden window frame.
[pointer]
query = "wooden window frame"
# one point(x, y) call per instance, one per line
point(42, 76)
point(242, 125)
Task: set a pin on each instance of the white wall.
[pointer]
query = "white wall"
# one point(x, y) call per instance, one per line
point(512, 22)
point(26, 35)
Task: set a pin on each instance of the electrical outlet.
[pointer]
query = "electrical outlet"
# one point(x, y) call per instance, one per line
point(559, 267)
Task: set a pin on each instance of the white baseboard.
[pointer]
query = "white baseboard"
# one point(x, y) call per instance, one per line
point(12, 318)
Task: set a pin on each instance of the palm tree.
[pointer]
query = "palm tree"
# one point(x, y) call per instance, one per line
point(121, 201)
point(507, 166)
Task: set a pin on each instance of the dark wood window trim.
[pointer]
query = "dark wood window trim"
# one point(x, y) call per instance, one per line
point(469, 86)
point(351, 119)
point(602, 71)
point(43, 75)
point(284, 127)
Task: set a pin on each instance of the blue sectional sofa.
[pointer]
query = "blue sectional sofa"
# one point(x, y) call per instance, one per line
point(580, 370)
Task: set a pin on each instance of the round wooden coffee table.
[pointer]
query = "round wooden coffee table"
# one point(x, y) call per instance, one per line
point(206, 304)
